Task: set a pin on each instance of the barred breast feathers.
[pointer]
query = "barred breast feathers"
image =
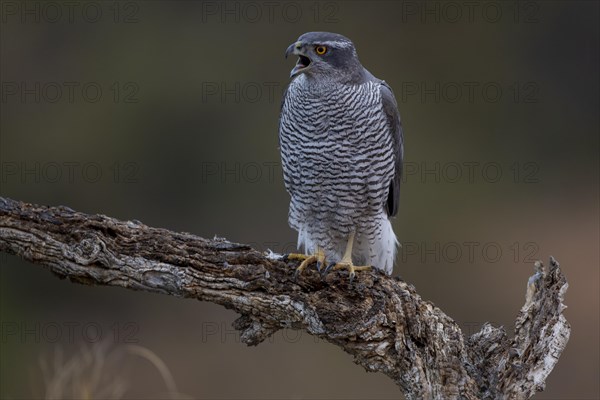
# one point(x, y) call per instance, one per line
point(338, 162)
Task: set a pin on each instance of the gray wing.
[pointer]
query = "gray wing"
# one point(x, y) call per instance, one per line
point(390, 107)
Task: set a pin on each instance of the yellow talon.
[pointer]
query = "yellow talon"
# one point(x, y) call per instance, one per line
point(346, 261)
point(297, 256)
point(318, 257)
point(347, 264)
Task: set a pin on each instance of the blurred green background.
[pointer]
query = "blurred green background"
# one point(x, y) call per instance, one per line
point(166, 112)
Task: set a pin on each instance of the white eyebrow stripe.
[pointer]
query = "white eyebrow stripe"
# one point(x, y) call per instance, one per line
point(336, 43)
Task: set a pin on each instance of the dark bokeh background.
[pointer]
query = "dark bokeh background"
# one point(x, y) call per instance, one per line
point(184, 136)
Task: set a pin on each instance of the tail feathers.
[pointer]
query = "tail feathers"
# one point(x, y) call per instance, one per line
point(382, 252)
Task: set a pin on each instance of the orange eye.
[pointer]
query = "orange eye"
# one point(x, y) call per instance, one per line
point(320, 50)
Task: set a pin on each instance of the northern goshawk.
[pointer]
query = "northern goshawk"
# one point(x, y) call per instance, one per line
point(341, 146)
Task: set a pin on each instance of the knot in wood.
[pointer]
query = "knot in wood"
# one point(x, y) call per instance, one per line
point(87, 251)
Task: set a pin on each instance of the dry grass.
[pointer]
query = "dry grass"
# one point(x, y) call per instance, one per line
point(99, 371)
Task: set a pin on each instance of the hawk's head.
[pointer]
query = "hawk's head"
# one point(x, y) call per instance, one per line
point(325, 54)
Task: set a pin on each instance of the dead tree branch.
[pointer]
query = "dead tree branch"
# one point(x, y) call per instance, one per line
point(380, 320)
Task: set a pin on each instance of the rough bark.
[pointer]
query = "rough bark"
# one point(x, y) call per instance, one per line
point(380, 320)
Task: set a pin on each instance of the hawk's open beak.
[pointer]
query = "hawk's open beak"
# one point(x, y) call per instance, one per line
point(303, 60)
point(293, 47)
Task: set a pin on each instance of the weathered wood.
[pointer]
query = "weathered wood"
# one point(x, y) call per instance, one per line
point(378, 319)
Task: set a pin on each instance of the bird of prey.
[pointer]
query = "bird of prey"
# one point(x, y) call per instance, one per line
point(341, 146)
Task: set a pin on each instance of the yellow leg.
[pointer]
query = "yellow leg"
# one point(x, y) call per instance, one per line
point(346, 261)
point(318, 257)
